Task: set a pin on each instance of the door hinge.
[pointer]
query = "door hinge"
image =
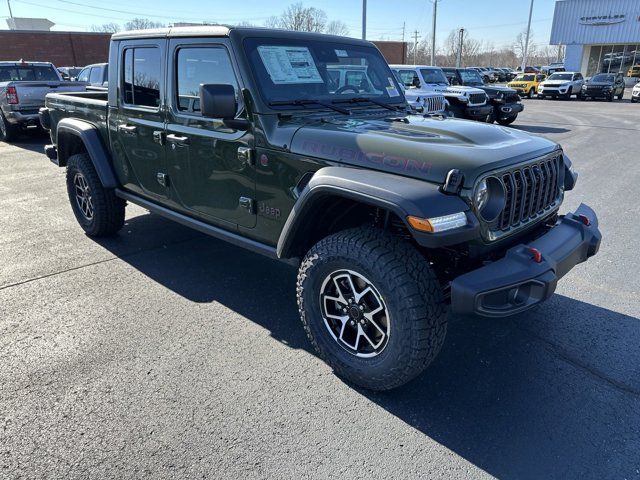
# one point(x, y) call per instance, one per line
point(246, 155)
point(248, 204)
point(163, 179)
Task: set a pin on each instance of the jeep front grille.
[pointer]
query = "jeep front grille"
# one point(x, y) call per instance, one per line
point(477, 98)
point(531, 192)
point(434, 104)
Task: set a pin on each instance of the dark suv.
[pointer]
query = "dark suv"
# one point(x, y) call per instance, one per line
point(392, 219)
point(603, 85)
point(505, 101)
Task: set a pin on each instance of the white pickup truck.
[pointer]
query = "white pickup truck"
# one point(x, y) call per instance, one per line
point(23, 86)
point(462, 102)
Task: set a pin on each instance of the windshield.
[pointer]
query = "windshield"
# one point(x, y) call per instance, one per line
point(525, 78)
point(471, 77)
point(433, 75)
point(560, 76)
point(27, 73)
point(289, 70)
point(603, 78)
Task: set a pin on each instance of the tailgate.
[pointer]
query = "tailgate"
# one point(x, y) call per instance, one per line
point(31, 94)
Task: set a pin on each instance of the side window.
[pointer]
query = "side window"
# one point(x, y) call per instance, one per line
point(409, 78)
point(83, 76)
point(95, 77)
point(201, 65)
point(142, 72)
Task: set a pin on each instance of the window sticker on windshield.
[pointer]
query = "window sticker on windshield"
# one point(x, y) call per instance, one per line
point(287, 65)
point(392, 91)
point(342, 53)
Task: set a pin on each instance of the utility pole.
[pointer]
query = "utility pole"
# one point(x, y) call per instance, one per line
point(404, 25)
point(415, 46)
point(364, 19)
point(526, 42)
point(9, 5)
point(460, 44)
point(433, 32)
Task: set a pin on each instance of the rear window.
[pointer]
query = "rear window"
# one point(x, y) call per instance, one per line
point(27, 73)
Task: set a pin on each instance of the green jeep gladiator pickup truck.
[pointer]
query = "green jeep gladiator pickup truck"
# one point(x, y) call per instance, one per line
point(394, 219)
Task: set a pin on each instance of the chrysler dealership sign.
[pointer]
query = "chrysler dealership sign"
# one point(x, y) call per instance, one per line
point(602, 19)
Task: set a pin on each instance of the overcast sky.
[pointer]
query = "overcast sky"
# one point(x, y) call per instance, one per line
point(497, 21)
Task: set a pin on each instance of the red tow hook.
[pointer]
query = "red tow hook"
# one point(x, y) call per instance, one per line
point(585, 220)
point(537, 256)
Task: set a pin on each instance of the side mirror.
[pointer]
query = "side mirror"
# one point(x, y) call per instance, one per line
point(218, 101)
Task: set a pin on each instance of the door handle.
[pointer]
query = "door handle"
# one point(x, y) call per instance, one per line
point(130, 130)
point(177, 140)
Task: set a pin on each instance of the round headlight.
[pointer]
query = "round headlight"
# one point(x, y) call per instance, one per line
point(482, 194)
point(489, 198)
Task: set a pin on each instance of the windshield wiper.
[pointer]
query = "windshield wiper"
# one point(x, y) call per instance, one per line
point(303, 101)
point(367, 99)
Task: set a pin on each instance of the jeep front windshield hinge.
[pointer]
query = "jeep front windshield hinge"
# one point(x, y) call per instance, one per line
point(246, 155)
point(248, 204)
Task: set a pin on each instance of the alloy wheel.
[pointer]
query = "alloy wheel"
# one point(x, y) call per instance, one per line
point(83, 195)
point(355, 313)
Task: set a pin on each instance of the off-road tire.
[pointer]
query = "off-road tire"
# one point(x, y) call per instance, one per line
point(411, 291)
point(507, 121)
point(8, 132)
point(108, 210)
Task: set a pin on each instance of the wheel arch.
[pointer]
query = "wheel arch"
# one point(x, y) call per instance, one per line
point(340, 197)
point(76, 136)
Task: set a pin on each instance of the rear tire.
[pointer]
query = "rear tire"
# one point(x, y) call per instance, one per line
point(98, 211)
point(8, 132)
point(413, 314)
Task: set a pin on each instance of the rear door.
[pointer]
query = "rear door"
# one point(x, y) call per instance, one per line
point(137, 122)
point(209, 175)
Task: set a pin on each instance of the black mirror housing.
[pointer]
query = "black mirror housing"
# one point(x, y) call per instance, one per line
point(218, 101)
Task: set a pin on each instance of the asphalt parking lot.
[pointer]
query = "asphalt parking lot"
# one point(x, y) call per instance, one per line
point(163, 353)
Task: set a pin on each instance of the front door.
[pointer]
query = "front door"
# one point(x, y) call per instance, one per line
point(208, 177)
point(137, 124)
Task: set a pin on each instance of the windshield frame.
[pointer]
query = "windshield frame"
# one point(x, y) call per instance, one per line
point(466, 73)
point(392, 95)
point(609, 77)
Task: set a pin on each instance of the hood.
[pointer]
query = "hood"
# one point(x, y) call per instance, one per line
point(552, 83)
point(423, 148)
point(599, 84)
point(494, 90)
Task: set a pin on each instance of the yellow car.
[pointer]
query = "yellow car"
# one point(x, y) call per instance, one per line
point(526, 84)
point(634, 71)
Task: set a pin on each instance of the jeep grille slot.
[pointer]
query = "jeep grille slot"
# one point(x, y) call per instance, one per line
point(435, 104)
point(530, 191)
point(477, 98)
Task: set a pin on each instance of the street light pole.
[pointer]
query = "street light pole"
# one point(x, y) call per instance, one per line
point(364, 19)
point(526, 42)
point(9, 5)
point(459, 59)
point(433, 33)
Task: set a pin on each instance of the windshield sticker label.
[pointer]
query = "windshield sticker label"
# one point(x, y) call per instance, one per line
point(287, 65)
point(392, 91)
point(342, 53)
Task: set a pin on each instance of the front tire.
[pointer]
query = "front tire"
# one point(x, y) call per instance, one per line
point(508, 120)
point(531, 93)
point(372, 307)
point(8, 132)
point(98, 211)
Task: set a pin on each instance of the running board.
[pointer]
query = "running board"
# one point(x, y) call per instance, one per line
point(203, 227)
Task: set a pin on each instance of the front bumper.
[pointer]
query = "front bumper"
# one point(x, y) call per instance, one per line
point(517, 282)
point(552, 91)
point(506, 110)
point(478, 113)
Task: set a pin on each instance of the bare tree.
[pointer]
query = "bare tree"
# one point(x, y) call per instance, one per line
point(106, 27)
point(142, 24)
point(337, 27)
point(520, 45)
point(299, 18)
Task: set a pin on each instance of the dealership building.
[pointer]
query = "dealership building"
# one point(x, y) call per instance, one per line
point(599, 35)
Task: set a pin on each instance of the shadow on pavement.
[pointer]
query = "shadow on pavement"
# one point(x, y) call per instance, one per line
point(500, 395)
point(33, 140)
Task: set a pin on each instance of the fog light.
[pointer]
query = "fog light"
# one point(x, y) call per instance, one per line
point(438, 224)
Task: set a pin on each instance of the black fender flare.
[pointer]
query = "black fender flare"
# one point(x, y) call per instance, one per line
point(89, 135)
point(403, 196)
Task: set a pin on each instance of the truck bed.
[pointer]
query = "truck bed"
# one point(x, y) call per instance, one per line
point(87, 106)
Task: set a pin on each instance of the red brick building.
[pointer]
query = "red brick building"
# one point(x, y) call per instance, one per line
point(63, 49)
point(66, 49)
